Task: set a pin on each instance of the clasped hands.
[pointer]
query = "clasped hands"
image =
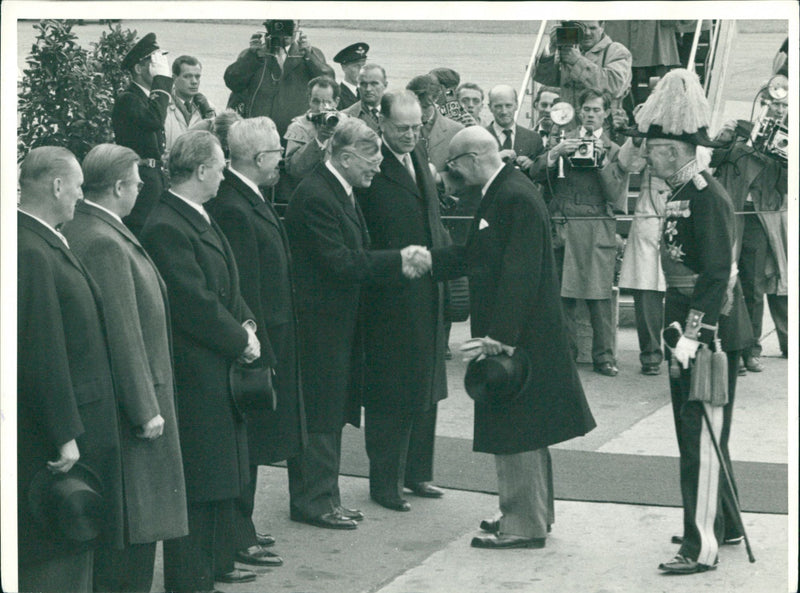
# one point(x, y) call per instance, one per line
point(416, 261)
point(478, 348)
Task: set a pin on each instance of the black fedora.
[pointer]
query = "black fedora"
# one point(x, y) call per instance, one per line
point(498, 380)
point(251, 388)
point(69, 505)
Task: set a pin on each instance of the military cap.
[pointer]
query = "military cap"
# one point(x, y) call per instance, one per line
point(143, 49)
point(352, 53)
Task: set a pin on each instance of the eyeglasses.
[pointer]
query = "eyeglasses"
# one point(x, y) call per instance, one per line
point(139, 184)
point(370, 162)
point(405, 129)
point(260, 152)
point(449, 162)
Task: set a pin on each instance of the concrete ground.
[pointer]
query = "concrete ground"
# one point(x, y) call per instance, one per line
point(594, 547)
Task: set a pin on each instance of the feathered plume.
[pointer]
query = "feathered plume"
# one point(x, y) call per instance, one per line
point(677, 104)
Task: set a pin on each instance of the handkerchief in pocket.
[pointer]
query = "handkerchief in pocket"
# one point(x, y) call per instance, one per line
point(482, 224)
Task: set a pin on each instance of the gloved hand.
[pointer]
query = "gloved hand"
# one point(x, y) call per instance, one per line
point(685, 350)
point(206, 111)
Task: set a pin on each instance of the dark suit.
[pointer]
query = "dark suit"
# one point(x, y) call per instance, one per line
point(346, 96)
point(330, 250)
point(363, 113)
point(261, 248)
point(135, 306)
point(207, 311)
point(515, 300)
point(404, 330)
point(526, 142)
point(64, 391)
point(138, 121)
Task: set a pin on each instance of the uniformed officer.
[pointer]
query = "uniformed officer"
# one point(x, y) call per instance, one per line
point(138, 119)
point(352, 58)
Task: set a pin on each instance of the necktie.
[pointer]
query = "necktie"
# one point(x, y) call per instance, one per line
point(507, 141)
point(352, 199)
point(188, 115)
point(280, 55)
point(409, 166)
point(374, 113)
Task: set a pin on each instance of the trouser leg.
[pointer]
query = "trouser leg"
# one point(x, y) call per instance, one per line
point(522, 485)
point(752, 263)
point(648, 305)
point(314, 475)
point(779, 310)
point(129, 570)
point(64, 573)
point(602, 330)
point(570, 310)
point(419, 460)
point(386, 436)
point(727, 492)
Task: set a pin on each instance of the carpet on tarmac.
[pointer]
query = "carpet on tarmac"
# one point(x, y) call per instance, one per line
point(588, 475)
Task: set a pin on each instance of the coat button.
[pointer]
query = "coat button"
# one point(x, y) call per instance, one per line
point(222, 292)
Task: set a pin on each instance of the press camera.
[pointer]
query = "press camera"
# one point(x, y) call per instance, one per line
point(770, 135)
point(589, 154)
point(328, 119)
point(277, 33)
point(569, 34)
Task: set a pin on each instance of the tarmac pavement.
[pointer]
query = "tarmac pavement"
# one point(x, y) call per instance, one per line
point(594, 547)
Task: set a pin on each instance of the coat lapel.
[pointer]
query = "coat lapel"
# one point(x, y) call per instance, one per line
point(487, 200)
point(263, 208)
point(396, 172)
point(344, 199)
point(203, 228)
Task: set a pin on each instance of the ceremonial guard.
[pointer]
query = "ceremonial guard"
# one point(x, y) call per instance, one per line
point(352, 58)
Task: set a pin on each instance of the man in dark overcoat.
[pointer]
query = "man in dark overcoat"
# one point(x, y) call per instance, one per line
point(261, 248)
point(332, 260)
point(514, 304)
point(212, 328)
point(138, 119)
point(403, 325)
point(135, 309)
point(66, 407)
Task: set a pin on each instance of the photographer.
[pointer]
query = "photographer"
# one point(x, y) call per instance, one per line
point(582, 56)
point(308, 134)
point(270, 78)
point(757, 184)
point(446, 99)
point(593, 186)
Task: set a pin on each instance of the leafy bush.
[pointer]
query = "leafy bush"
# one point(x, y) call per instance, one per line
point(66, 93)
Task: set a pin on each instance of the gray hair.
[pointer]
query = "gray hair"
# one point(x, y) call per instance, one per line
point(192, 149)
point(44, 164)
point(247, 136)
point(354, 133)
point(105, 165)
point(222, 123)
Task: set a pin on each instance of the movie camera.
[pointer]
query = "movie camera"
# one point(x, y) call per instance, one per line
point(770, 135)
point(569, 34)
point(329, 119)
point(279, 34)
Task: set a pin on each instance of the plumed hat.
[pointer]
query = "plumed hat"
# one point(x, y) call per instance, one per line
point(677, 109)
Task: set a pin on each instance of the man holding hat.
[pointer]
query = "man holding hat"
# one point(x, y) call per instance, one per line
point(704, 299)
point(514, 310)
point(352, 58)
point(138, 118)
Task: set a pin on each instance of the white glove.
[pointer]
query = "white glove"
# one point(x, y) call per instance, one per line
point(685, 350)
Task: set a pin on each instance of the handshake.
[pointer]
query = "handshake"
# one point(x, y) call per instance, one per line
point(416, 261)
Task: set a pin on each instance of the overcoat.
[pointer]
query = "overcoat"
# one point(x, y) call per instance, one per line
point(207, 312)
point(136, 316)
point(346, 96)
point(64, 385)
point(261, 249)
point(403, 324)
point(514, 299)
point(330, 251)
point(590, 246)
point(267, 89)
point(437, 141)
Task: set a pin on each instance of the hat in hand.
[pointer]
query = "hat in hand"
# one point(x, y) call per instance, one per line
point(69, 505)
point(498, 380)
point(144, 48)
point(677, 109)
point(251, 388)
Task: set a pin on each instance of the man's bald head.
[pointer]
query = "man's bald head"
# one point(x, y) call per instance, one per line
point(473, 139)
point(473, 155)
point(50, 179)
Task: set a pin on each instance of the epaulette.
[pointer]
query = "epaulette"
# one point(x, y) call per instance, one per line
point(699, 182)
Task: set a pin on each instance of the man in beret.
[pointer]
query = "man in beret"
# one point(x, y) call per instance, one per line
point(352, 58)
point(138, 118)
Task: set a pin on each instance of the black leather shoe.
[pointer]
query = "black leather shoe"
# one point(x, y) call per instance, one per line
point(425, 489)
point(492, 526)
point(505, 542)
point(683, 565)
point(606, 368)
point(395, 505)
point(742, 369)
point(352, 514)
point(651, 369)
point(753, 364)
point(258, 556)
point(728, 541)
point(264, 540)
point(326, 521)
point(237, 575)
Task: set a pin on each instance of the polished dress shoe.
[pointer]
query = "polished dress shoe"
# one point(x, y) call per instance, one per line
point(734, 540)
point(753, 364)
point(326, 521)
point(264, 540)
point(258, 556)
point(397, 504)
point(651, 369)
point(425, 489)
point(683, 565)
point(237, 575)
point(606, 368)
point(492, 526)
point(506, 542)
point(353, 514)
